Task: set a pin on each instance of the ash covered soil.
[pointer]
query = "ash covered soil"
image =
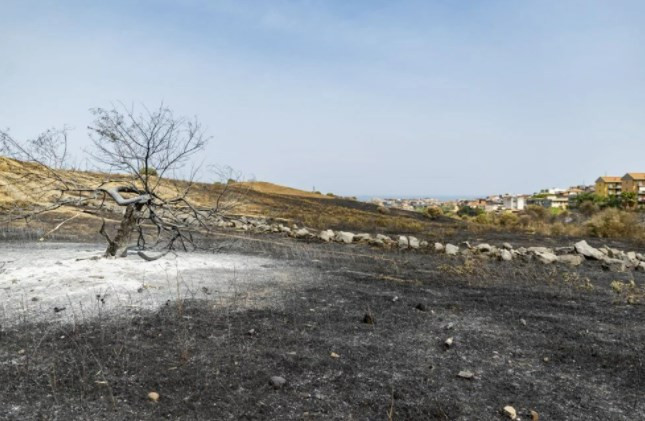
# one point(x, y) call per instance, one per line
point(357, 333)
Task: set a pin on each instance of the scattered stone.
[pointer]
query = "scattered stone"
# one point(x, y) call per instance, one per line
point(506, 255)
point(326, 235)
point(582, 247)
point(510, 412)
point(614, 265)
point(362, 237)
point(534, 415)
point(334, 355)
point(384, 238)
point(465, 244)
point(153, 396)
point(523, 322)
point(451, 250)
point(423, 244)
point(277, 382)
point(421, 307)
point(438, 247)
point(403, 242)
point(368, 319)
point(58, 309)
point(539, 250)
point(571, 259)
point(465, 374)
point(344, 237)
point(449, 326)
point(546, 257)
point(413, 242)
point(251, 332)
point(448, 343)
point(641, 267)
point(484, 248)
point(507, 246)
point(302, 233)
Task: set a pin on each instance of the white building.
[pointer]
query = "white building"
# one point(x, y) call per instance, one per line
point(514, 202)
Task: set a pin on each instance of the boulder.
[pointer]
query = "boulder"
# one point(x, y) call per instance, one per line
point(507, 246)
point(384, 238)
point(546, 257)
point(505, 255)
point(362, 237)
point(302, 233)
point(583, 248)
point(484, 248)
point(413, 242)
point(284, 228)
point(423, 244)
point(344, 237)
point(438, 247)
point(564, 250)
point(614, 265)
point(451, 249)
point(326, 235)
point(640, 257)
point(536, 250)
point(403, 242)
point(571, 259)
point(641, 267)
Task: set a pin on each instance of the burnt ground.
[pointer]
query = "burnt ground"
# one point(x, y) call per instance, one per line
point(551, 339)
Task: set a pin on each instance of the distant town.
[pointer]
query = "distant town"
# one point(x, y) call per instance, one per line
point(630, 187)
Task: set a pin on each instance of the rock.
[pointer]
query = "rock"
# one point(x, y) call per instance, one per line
point(448, 342)
point(510, 412)
point(641, 267)
point(506, 255)
point(413, 242)
point(546, 257)
point(587, 251)
point(403, 242)
point(465, 244)
point(368, 319)
point(507, 246)
point(384, 238)
point(451, 250)
point(153, 396)
point(640, 257)
point(571, 259)
point(484, 248)
point(534, 415)
point(334, 355)
point(438, 247)
point(465, 374)
point(344, 237)
point(326, 235)
point(423, 244)
point(277, 382)
point(302, 233)
point(376, 242)
point(564, 250)
point(614, 265)
point(631, 255)
point(362, 237)
point(284, 229)
point(536, 250)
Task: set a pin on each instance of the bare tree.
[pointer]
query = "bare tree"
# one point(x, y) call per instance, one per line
point(138, 151)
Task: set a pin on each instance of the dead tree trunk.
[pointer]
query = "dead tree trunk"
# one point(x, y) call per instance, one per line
point(118, 247)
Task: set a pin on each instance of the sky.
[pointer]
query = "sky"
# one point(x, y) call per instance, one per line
point(363, 97)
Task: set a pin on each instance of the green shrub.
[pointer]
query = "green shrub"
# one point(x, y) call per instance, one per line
point(613, 222)
point(150, 171)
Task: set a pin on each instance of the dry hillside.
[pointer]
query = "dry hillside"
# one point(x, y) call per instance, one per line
point(22, 187)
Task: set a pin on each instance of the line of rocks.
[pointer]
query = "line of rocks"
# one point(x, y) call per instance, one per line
point(612, 259)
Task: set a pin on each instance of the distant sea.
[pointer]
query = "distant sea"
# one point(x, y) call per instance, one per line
point(439, 197)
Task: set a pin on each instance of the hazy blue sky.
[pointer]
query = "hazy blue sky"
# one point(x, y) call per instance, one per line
point(353, 97)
